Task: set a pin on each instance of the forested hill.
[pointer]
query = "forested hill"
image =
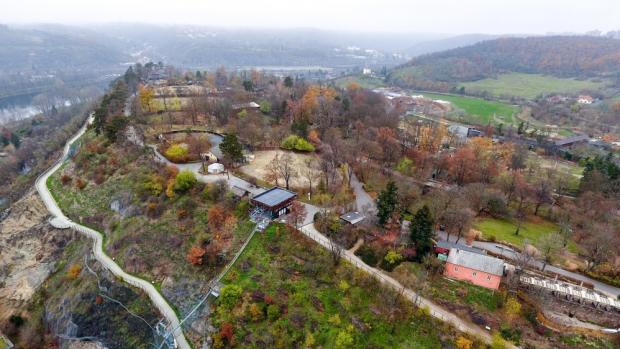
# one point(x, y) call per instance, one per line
point(561, 56)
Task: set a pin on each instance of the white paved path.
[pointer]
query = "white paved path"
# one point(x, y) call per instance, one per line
point(162, 305)
point(435, 310)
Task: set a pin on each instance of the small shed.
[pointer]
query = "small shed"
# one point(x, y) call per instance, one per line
point(275, 202)
point(215, 168)
point(352, 217)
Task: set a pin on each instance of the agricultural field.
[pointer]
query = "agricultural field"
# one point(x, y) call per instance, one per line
point(530, 85)
point(478, 110)
point(285, 292)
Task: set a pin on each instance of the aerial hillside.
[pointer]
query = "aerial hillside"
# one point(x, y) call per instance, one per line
point(45, 50)
point(561, 56)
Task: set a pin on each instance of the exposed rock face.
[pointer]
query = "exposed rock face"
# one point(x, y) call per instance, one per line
point(121, 204)
point(30, 248)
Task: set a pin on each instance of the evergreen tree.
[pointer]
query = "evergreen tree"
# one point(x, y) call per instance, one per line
point(422, 232)
point(231, 148)
point(386, 202)
point(288, 82)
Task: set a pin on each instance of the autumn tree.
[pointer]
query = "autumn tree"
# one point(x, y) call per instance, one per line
point(462, 165)
point(297, 214)
point(196, 254)
point(146, 95)
point(216, 216)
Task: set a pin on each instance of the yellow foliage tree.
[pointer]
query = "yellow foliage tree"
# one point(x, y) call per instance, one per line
point(464, 343)
point(170, 188)
point(256, 313)
point(146, 95)
point(74, 271)
point(512, 307)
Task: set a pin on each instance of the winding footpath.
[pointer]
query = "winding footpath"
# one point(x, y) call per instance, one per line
point(61, 221)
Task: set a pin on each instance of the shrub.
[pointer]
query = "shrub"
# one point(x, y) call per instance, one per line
point(344, 339)
point(226, 332)
point(497, 342)
point(65, 179)
point(99, 177)
point(391, 260)
point(154, 185)
point(512, 307)
point(463, 343)
point(256, 313)
point(229, 296)
point(80, 183)
point(243, 113)
point(177, 153)
point(294, 142)
point(367, 255)
point(265, 107)
point(273, 312)
point(16, 320)
point(184, 181)
point(74, 271)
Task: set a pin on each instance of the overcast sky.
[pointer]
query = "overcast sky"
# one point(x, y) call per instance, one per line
point(437, 16)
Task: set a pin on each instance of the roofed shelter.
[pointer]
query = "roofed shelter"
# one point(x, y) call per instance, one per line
point(275, 202)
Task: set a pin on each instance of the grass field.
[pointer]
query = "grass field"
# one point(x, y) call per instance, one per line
point(530, 85)
point(292, 295)
point(504, 230)
point(480, 111)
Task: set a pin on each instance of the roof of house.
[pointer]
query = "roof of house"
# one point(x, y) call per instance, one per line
point(353, 217)
point(450, 245)
point(274, 196)
point(571, 140)
point(476, 261)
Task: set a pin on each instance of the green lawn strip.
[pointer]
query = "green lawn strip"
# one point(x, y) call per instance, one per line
point(504, 230)
point(480, 111)
point(530, 85)
point(300, 278)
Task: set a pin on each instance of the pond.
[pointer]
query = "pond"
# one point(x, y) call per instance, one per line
point(214, 138)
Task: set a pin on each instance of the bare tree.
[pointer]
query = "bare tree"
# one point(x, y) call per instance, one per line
point(548, 246)
point(286, 168)
point(457, 221)
point(309, 172)
point(336, 251)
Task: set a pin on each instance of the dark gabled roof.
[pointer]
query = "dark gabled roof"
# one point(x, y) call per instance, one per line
point(352, 217)
point(476, 261)
point(451, 245)
point(274, 196)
